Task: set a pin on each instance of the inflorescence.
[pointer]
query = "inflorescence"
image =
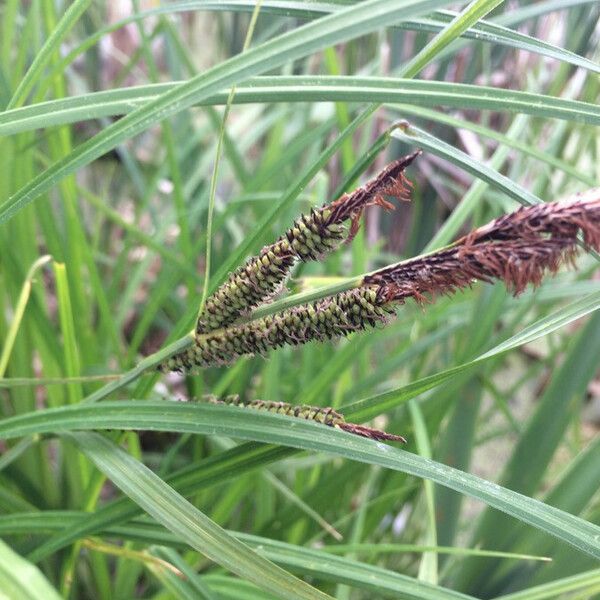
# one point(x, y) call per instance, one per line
point(324, 415)
point(332, 317)
point(310, 237)
point(517, 248)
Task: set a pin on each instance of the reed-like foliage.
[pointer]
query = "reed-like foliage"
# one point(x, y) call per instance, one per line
point(127, 192)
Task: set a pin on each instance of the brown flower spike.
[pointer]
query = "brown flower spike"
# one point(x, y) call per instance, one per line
point(310, 237)
point(517, 248)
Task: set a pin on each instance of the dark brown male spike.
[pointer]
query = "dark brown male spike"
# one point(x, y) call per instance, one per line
point(389, 182)
point(517, 248)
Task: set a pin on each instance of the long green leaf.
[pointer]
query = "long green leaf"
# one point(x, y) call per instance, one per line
point(9, 340)
point(418, 137)
point(544, 431)
point(304, 88)
point(356, 20)
point(585, 583)
point(21, 580)
point(278, 429)
point(476, 10)
point(317, 563)
point(179, 516)
point(486, 31)
point(45, 54)
point(344, 570)
point(197, 476)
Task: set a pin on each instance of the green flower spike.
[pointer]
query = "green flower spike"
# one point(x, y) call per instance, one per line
point(329, 318)
point(324, 415)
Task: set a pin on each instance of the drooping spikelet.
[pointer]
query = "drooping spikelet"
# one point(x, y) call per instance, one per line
point(309, 238)
point(325, 415)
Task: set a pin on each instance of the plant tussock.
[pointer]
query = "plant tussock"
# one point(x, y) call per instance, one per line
point(517, 248)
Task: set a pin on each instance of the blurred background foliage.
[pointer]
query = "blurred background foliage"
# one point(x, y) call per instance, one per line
point(121, 207)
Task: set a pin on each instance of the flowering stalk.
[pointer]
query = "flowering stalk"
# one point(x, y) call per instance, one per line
point(517, 248)
point(310, 237)
point(325, 415)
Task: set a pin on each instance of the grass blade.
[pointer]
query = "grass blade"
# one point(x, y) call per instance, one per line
point(179, 516)
point(278, 429)
point(304, 88)
point(356, 20)
point(20, 579)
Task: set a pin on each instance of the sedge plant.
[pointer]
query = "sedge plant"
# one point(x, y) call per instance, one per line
point(319, 341)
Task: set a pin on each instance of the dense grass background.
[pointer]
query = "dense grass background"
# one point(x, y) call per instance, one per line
point(111, 122)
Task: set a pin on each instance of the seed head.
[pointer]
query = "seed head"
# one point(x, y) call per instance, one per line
point(518, 248)
point(329, 318)
point(325, 415)
point(310, 237)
